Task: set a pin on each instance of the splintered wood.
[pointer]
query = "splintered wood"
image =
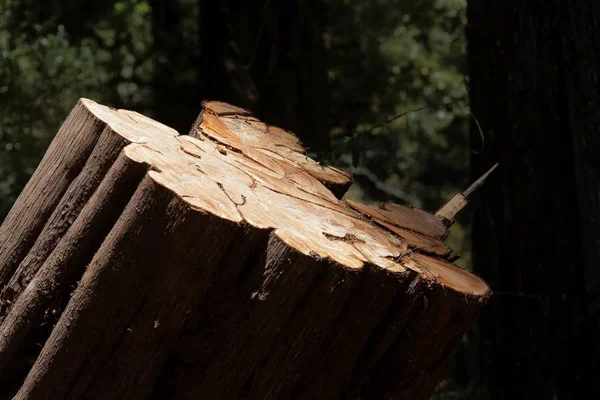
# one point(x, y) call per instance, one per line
point(140, 263)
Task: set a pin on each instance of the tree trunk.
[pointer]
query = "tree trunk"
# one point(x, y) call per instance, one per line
point(219, 266)
point(268, 56)
point(534, 74)
point(175, 61)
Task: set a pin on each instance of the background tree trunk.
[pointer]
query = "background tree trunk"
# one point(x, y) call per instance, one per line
point(268, 56)
point(534, 70)
point(172, 53)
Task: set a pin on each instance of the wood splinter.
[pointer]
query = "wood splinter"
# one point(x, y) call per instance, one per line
point(459, 201)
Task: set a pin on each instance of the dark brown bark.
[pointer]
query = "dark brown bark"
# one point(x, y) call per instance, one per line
point(49, 291)
point(421, 359)
point(385, 335)
point(250, 331)
point(104, 154)
point(581, 55)
point(222, 266)
point(63, 161)
point(129, 304)
point(276, 374)
point(202, 339)
point(533, 74)
point(373, 298)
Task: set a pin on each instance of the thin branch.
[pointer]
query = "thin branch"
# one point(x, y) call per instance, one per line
point(442, 105)
point(404, 113)
point(479, 181)
point(479, 130)
point(384, 187)
point(395, 117)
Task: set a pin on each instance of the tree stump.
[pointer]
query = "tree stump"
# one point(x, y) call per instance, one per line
point(140, 263)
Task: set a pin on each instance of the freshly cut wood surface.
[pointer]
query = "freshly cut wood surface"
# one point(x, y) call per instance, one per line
point(406, 227)
point(415, 219)
point(452, 206)
point(274, 148)
point(218, 266)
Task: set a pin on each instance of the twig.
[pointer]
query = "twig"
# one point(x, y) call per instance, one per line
point(479, 181)
point(385, 188)
point(395, 117)
point(459, 201)
point(477, 124)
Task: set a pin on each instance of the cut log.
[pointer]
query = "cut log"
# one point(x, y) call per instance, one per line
point(217, 265)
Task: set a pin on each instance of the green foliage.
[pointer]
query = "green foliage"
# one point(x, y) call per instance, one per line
point(44, 71)
point(40, 81)
point(405, 59)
